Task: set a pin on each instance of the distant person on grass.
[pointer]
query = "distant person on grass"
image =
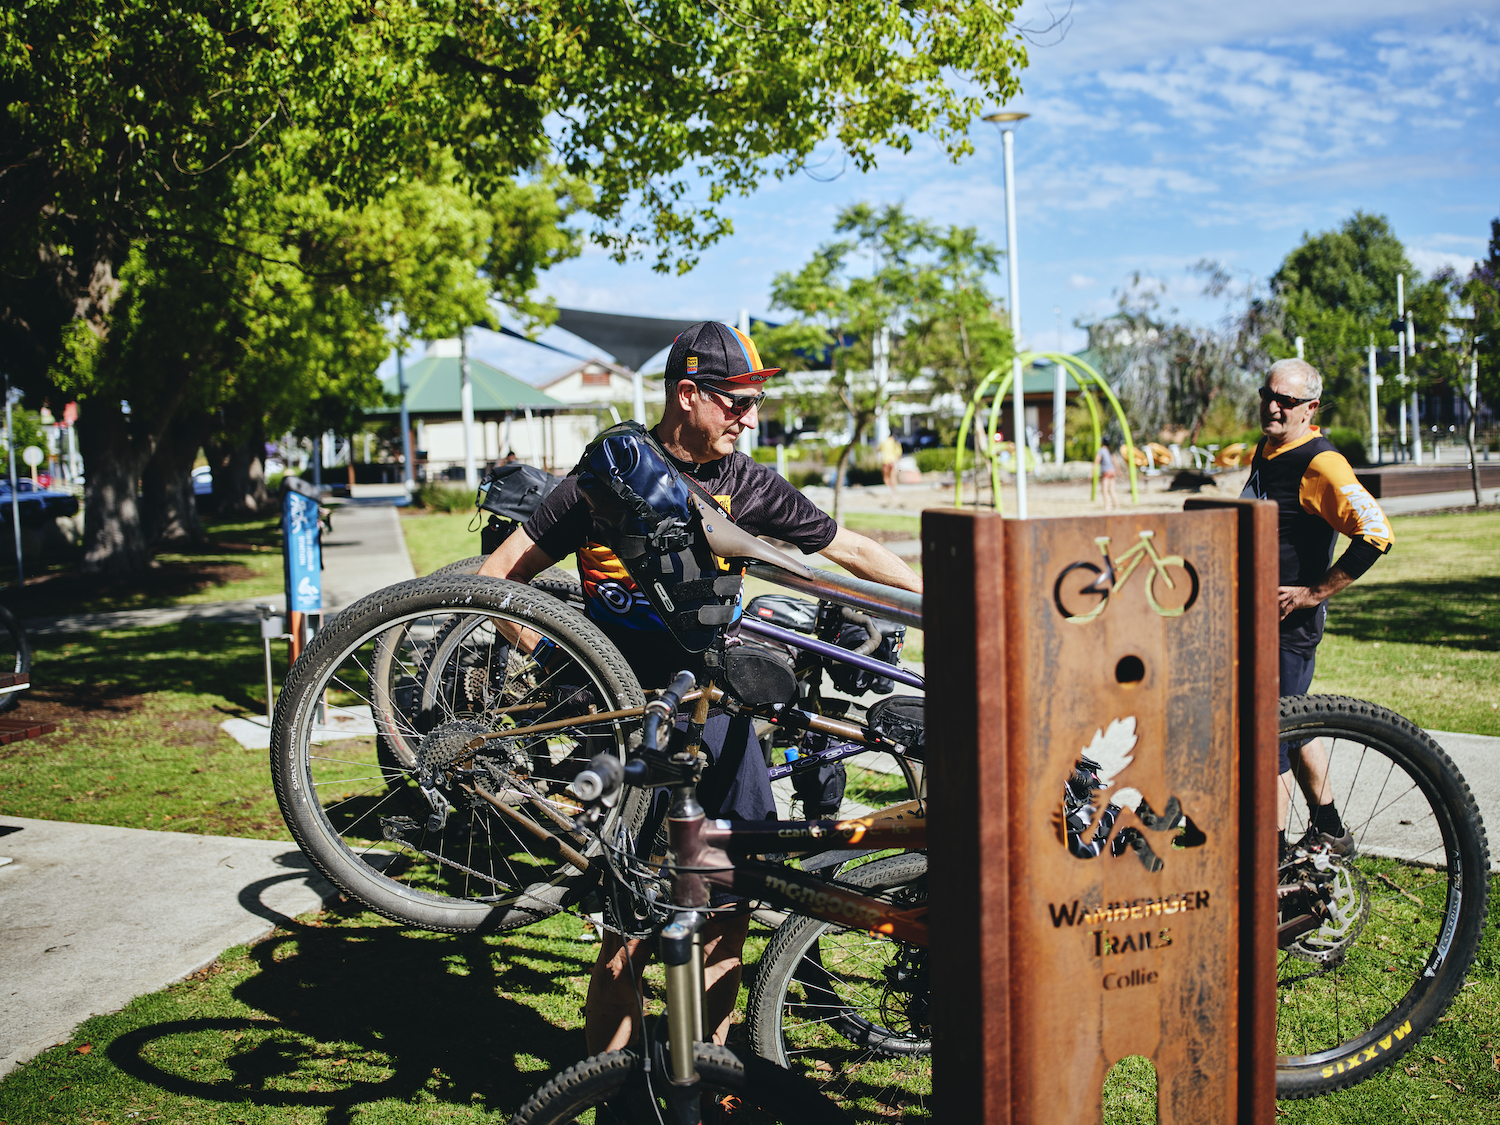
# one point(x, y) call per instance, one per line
point(1106, 462)
point(890, 458)
point(1319, 498)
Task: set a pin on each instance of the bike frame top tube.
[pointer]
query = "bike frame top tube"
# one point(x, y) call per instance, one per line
point(888, 602)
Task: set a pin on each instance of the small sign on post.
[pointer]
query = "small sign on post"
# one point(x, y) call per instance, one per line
point(1102, 866)
point(302, 554)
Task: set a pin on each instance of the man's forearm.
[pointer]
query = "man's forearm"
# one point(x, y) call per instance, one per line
point(1333, 582)
point(867, 559)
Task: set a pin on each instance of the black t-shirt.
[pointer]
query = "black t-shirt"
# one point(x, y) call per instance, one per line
point(756, 498)
point(754, 495)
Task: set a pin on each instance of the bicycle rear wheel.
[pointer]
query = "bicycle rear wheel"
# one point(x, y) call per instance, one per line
point(849, 1010)
point(15, 653)
point(406, 686)
point(760, 1092)
point(1407, 910)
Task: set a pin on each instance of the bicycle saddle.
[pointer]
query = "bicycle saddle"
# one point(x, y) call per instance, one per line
point(730, 541)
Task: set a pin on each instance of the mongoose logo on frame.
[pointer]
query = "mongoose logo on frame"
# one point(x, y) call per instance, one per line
point(822, 901)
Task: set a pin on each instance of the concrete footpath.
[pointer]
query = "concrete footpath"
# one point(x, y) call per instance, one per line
point(94, 916)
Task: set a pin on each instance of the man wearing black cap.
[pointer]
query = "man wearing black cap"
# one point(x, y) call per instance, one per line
point(714, 382)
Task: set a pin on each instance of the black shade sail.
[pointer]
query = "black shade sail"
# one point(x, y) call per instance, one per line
point(632, 340)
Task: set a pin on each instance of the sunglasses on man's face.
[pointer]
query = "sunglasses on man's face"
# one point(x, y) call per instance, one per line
point(737, 405)
point(1286, 402)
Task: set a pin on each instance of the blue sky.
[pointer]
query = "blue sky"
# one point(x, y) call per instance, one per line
point(1162, 132)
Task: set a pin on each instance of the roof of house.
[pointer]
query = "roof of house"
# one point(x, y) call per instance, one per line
point(432, 387)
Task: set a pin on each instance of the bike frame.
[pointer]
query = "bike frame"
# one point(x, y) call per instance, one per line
point(702, 855)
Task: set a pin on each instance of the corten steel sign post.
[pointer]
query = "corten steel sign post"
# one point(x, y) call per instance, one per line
point(1103, 853)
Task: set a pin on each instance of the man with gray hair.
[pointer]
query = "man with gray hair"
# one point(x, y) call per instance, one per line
point(1318, 496)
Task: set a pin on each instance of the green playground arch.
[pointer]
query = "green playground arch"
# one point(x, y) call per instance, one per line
point(1084, 375)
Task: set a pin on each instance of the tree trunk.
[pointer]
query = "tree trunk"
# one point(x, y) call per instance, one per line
point(169, 509)
point(239, 469)
point(114, 541)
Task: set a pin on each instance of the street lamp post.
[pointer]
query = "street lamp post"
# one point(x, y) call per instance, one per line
point(466, 408)
point(1007, 123)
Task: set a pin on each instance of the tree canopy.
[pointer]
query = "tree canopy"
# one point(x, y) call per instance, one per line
point(926, 284)
point(209, 184)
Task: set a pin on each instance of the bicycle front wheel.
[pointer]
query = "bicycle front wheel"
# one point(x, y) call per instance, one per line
point(15, 653)
point(752, 1089)
point(394, 769)
point(1406, 911)
point(848, 1010)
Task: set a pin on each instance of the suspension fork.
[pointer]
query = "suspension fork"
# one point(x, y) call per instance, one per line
point(681, 939)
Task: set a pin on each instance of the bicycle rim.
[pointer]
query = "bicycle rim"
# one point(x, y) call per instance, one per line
point(850, 1011)
point(412, 687)
point(1358, 992)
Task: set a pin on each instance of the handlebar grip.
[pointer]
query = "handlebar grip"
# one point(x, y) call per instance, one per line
point(603, 778)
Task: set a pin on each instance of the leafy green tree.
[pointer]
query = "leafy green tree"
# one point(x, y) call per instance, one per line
point(1336, 290)
point(893, 270)
point(128, 125)
point(1172, 378)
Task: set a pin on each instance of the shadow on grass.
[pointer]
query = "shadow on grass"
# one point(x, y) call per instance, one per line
point(1461, 613)
point(90, 670)
point(346, 1016)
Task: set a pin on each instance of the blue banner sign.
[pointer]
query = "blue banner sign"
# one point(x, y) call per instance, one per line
point(302, 546)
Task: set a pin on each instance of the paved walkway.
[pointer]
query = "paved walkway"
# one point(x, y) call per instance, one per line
point(93, 916)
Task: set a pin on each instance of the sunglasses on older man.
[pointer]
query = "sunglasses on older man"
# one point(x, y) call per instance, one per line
point(1286, 402)
point(737, 405)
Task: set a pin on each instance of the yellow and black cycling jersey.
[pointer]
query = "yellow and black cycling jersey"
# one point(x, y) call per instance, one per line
point(1319, 498)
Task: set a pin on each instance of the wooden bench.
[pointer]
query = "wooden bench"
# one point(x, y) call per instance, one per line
point(18, 730)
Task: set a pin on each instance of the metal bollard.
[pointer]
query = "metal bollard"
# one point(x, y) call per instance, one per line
point(272, 628)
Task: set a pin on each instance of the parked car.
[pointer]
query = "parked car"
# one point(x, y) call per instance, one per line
point(37, 503)
point(922, 439)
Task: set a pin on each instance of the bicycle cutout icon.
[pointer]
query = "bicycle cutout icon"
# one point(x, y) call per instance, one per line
point(1116, 572)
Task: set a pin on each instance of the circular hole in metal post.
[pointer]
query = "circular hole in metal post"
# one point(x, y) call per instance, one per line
point(1130, 670)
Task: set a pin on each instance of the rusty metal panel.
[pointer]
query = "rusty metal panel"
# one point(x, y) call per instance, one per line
point(1101, 700)
point(968, 877)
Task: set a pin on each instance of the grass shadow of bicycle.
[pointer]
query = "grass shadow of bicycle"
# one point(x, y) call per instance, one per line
point(346, 1012)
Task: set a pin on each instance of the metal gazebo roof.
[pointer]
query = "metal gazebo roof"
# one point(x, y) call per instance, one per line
point(432, 388)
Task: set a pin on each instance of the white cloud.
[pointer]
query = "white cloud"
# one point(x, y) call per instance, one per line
point(1430, 261)
point(1079, 281)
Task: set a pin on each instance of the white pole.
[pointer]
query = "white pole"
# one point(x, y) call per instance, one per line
point(1374, 408)
point(1401, 355)
point(466, 404)
point(1015, 322)
point(1416, 415)
point(1299, 347)
point(882, 366)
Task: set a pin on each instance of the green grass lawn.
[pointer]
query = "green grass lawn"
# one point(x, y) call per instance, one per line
point(344, 1017)
point(240, 560)
point(1420, 632)
point(138, 741)
point(435, 539)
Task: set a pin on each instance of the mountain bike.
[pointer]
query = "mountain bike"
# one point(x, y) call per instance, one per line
point(674, 895)
point(1373, 947)
point(422, 745)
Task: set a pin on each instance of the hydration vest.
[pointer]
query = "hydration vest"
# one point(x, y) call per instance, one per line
point(642, 511)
